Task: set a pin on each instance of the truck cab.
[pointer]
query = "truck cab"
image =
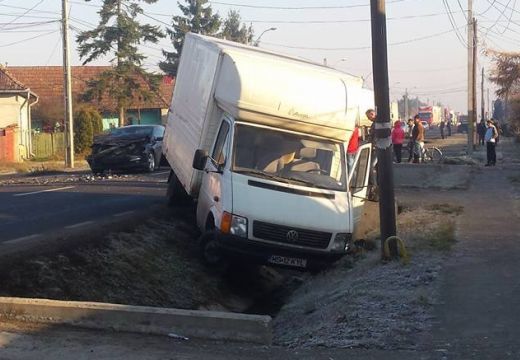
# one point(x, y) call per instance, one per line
point(278, 196)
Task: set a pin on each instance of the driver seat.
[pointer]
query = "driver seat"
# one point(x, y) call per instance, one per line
point(305, 161)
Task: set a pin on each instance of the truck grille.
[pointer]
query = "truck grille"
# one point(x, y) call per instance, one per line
point(290, 235)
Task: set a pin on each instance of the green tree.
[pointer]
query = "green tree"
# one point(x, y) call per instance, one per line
point(197, 17)
point(83, 133)
point(119, 33)
point(234, 30)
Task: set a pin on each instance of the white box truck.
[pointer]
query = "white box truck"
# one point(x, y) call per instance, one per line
point(258, 139)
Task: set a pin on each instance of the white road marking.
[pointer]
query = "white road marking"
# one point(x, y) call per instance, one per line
point(79, 224)
point(44, 191)
point(125, 213)
point(159, 173)
point(21, 239)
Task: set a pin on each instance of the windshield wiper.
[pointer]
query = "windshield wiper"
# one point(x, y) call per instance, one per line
point(270, 176)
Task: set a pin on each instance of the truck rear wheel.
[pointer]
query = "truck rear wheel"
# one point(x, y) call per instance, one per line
point(176, 195)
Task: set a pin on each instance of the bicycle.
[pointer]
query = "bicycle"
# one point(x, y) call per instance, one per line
point(432, 154)
point(429, 154)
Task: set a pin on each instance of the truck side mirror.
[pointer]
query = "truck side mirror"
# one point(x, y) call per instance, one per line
point(199, 159)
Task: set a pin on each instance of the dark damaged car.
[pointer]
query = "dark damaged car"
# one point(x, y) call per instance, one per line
point(134, 147)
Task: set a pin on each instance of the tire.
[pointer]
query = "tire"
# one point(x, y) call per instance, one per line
point(434, 154)
point(176, 195)
point(150, 162)
point(211, 252)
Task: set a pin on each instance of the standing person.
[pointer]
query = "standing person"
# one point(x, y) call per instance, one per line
point(410, 139)
point(448, 125)
point(481, 131)
point(352, 148)
point(371, 115)
point(441, 126)
point(418, 139)
point(373, 191)
point(490, 138)
point(397, 140)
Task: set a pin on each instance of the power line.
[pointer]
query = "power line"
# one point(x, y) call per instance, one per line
point(502, 12)
point(463, 11)
point(339, 21)
point(21, 16)
point(298, 7)
point(362, 47)
point(453, 23)
point(28, 39)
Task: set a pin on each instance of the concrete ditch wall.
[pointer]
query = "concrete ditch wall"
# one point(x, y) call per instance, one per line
point(141, 319)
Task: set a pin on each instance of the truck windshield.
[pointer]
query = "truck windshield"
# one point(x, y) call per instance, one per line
point(290, 158)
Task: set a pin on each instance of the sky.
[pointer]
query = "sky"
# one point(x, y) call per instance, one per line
point(427, 53)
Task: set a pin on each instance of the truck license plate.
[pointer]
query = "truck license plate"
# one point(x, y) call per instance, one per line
point(282, 260)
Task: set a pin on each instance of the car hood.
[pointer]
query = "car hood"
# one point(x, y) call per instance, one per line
point(291, 205)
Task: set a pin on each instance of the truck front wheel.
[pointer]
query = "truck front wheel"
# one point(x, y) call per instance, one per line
point(210, 250)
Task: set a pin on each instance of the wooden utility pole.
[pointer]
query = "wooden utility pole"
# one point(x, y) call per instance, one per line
point(482, 101)
point(470, 76)
point(474, 83)
point(406, 110)
point(385, 177)
point(67, 87)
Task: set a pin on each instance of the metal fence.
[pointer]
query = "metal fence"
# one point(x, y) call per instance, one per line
point(47, 145)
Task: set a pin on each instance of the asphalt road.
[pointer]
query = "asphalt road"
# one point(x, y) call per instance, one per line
point(36, 208)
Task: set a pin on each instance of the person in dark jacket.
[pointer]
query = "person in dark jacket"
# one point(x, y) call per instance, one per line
point(481, 131)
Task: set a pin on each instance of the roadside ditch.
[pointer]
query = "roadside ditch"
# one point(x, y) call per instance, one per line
point(358, 302)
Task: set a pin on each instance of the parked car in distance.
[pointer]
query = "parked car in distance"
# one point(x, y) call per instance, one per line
point(134, 147)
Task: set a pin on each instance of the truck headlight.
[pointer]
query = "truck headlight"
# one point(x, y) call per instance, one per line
point(342, 242)
point(238, 226)
point(233, 224)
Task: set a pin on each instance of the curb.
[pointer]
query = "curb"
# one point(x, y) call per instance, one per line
point(176, 323)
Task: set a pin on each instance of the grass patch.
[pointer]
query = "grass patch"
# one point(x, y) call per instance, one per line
point(429, 228)
point(446, 208)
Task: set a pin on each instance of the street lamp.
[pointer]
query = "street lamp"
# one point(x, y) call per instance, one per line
point(257, 42)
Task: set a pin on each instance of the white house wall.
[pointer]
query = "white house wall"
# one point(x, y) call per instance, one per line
point(14, 111)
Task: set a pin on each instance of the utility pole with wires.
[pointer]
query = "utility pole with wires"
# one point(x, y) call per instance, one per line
point(385, 177)
point(67, 87)
point(474, 84)
point(482, 102)
point(471, 77)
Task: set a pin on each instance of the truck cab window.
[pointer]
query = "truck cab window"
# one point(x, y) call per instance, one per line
point(219, 151)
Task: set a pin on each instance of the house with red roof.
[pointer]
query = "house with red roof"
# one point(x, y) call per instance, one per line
point(16, 103)
point(47, 82)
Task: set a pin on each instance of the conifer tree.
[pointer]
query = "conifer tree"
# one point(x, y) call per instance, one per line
point(119, 33)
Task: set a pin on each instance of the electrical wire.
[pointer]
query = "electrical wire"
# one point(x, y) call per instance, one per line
point(453, 24)
point(298, 7)
point(361, 47)
point(21, 16)
point(502, 12)
point(28, 39)
point(463, 11)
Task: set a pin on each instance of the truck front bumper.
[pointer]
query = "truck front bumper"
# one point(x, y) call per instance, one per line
point(239, 249)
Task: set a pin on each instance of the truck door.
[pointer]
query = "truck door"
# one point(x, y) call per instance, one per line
point(358, 181)
point(210, 196)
